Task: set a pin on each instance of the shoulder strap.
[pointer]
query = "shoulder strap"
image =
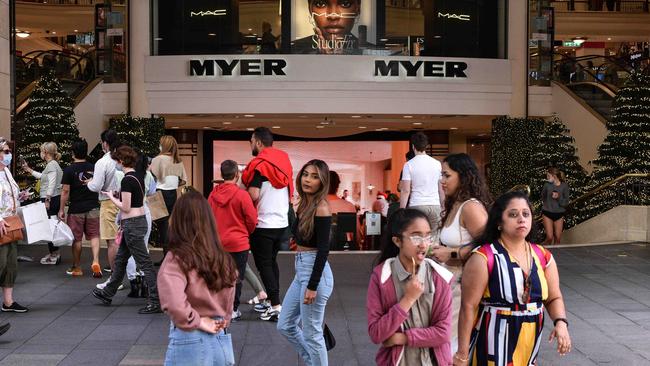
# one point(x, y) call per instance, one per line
point(137, 180)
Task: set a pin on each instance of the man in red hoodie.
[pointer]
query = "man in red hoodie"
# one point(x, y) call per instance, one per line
point(236, 219)
point(269, 180)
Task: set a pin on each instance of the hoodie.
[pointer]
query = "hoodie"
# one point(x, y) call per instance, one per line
point(235, 214)
point(273, 164)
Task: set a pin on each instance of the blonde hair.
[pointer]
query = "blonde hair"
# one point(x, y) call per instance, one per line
point(170, 147)
point(50, 148)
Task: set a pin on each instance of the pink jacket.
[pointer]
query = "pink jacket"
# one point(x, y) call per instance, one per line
point(385, 316)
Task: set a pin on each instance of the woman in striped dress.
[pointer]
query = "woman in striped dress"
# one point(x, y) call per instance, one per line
point(506, 285)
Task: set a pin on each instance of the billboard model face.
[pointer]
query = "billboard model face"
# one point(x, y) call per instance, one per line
point(332, 26)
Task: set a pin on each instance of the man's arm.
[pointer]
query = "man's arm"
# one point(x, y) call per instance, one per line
point(405, 190)
point(97, 182)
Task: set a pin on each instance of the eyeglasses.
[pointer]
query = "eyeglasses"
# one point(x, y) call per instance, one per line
point(419, 240)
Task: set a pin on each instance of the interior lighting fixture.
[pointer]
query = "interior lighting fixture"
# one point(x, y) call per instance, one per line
point(249, 115)
point(355, 116)
point(227, 123)
point(370, 187)
point(609, 38)
point(417, 123)
point(320, 126)
point(22, 34)
point(276, 127)
point(53, 32)
point(175, 127)
point(578, 40)
point(453, 128)
point(212, 34)
point(250, 129)
point(362, 127)
point(207, 127)
point(407, 116)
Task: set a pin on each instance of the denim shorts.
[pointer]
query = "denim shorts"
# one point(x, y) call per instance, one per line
point(198, 348)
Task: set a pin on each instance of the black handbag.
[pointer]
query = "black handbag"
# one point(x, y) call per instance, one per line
point(330, 341)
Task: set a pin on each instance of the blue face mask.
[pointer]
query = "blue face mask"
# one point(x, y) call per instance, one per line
point(7, 160)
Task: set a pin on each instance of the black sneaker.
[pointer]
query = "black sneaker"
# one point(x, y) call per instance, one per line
point(99, 294)
point(4, 328)
point(108, 269)
point(271, 314)
point(150, 309)
point(15, 307)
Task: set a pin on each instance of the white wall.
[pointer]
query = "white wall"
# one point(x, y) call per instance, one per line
point(5, 58)
point(89, 117)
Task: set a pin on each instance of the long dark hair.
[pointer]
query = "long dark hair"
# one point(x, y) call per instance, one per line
point(397, 224)
point(309, 202)
point(492, 232)
point(471, 183)
point(194, 241)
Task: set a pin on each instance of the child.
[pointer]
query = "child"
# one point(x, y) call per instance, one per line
point(409, 297)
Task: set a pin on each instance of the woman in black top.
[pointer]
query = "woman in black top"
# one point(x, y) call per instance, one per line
point(312, 286)
point(133, 225)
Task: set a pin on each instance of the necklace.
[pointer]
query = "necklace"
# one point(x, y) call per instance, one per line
point(529, 267)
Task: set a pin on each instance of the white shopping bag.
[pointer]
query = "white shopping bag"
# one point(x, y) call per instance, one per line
point(37, 225)
point(61, 233)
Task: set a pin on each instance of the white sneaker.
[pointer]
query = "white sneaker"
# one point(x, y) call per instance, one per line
point(102, 285)
point(51, 259)
point(271, 314)
point(236, 316)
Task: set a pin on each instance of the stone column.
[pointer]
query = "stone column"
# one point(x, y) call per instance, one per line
point(518, 55)
point(5, 70)
point(140, 38)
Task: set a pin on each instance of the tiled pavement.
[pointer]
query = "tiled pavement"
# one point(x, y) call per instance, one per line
point(607, 291)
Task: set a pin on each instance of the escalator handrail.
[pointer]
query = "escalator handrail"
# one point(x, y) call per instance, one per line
point(611, 90)
point(76, 63)
point(595, 77)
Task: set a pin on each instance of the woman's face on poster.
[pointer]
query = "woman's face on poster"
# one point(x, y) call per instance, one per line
point(334, 17)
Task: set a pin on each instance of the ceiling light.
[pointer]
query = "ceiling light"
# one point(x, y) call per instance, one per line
point(212, 34)
point(609, 38)
point(383, 40)
point(579, 40)
point(76, 30)
point(417, 123)
point(250, 129)
point(22, 34)
point(319, 126)
point(226, 123)
point(53, 32)
point(175, 127)
point(355, 116)
point(363, 127)
point(453, 128)
point(207, 127)
point(407, 116)
point(249, 115)
point(276, 127)
point(250, 29)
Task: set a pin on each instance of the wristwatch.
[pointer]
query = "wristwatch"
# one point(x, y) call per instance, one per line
point(560, 320)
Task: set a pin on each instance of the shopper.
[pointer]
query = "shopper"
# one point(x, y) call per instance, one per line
point(197, 287)
point(464, 217)
point(133, 225)
point(10, 199)
point(260, 301)
point(268, 178)
point(103, 180)
point(313, 283)
point(338, 205)
point(420, 184)
point(506, 285)
point(83, 213)
point(170, 174)
point(50, 180)
point(409, 298)
point(555, 199)
point(236, 219)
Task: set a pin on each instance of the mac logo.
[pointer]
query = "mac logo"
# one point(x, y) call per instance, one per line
point(463, 17)
point(204, 13)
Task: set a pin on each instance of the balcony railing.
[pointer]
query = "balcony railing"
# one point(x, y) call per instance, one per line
point(623, 6)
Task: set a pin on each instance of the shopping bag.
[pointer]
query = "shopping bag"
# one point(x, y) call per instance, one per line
point(61, 233)
point(37, 224)
point(157, 206)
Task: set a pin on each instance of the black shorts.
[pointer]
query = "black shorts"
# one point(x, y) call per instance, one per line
point(554, 216)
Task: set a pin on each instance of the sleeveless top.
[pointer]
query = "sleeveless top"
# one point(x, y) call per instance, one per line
point(455, 235)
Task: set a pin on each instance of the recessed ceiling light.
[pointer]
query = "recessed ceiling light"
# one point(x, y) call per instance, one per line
point(363, 127)
point(53, 32)
point(207, 127)
point(250, 29)
point(355, 116)
point(22, 34)
point(609, 38)
point(212, 34)
point(76, 30)
point(175, 127)
point(226, 123)
point(453, 128)
point(417, 123)
point(276, 127)
point(319, 126)
point(249, 115)
point(250, 129)
point(407, 116)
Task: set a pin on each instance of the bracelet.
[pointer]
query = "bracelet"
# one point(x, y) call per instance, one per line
point(456, 356)
point(560, 320)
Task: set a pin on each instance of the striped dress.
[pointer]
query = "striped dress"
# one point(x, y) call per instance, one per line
point(508, 331)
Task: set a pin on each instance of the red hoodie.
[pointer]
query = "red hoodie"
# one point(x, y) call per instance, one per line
point(235, 214)
point(274, 164)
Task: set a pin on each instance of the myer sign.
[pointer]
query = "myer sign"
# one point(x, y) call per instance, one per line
point(384, 69)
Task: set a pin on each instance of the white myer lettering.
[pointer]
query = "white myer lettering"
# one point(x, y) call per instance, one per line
point(463, 17)
point(439, 69)
point(243, 67)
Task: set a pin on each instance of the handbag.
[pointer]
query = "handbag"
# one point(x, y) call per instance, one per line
point(157, 206)
point(15, 225)
point(330, 341)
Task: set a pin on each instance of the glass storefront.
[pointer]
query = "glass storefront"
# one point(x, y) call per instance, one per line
point(458, 28)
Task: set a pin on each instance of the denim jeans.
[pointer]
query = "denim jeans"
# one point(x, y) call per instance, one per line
point(133, 232)
point(308, 341)
point(198, 348)
point(130, 266)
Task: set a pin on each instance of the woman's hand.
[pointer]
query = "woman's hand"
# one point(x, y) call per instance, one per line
point(210, 325)
point(26, 168)
point(461, 360)
point(413, 289)
point(310, 296)
point(561, 332)
point(3, 227)
point(47, 203)
point(61, 215)
point(397, 339)
point(441, 253)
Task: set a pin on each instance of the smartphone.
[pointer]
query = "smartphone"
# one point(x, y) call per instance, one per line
point(21, 160)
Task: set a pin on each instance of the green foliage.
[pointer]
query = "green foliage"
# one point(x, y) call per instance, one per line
point(140, 132)
point(514, 143)
point(49, 117)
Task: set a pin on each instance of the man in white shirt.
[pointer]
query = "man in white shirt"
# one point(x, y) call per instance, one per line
point(104, 181)
point(420, 185)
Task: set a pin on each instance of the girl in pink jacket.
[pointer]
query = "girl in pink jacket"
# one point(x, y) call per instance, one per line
point(409, 297)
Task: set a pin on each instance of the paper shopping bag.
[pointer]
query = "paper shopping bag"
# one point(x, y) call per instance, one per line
point(157, 206)
point(37, 224)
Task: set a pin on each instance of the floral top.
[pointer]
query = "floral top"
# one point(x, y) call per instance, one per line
point(8, 194)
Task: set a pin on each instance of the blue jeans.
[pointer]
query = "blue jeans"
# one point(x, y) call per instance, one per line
point(308, 341)
point(198, 348)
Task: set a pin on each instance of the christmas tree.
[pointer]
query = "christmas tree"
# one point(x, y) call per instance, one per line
point(626, 148)
point(556, 149)
point(141, 133)
point(49, 117)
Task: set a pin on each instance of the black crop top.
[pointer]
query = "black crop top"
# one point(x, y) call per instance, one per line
point(320, 240)
point(134, 184)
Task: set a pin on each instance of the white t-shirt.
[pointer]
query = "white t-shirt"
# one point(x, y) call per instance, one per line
point(424, 173)
point(272, 206)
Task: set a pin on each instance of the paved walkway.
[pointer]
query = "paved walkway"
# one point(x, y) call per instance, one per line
point(607, 291)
